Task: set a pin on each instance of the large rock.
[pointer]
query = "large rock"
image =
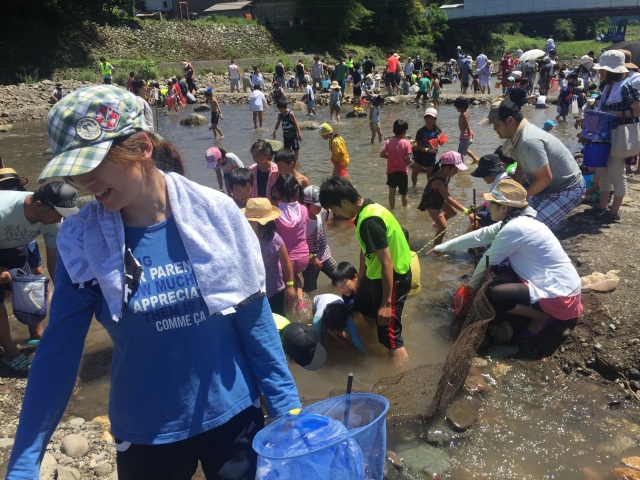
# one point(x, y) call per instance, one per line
point(463, 413)
point(6, 127)
point(624, 474)
point(194, 120)
point(67, 473)
point(356, 114)
point(632, 462)
point(201, 108)
point(425, 460)
point(74, 446)
point(48, 466)
point(298, 106)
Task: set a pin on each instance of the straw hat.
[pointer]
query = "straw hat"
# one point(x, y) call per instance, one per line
point(508, 192)
point(627, 59)
point(260, 210)
point(335, 85)
point(9, 174)
point(611, 61)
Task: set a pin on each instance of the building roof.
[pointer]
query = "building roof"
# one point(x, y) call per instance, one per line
point(218, 7)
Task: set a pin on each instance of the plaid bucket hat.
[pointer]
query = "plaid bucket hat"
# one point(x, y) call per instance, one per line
point(83, 125)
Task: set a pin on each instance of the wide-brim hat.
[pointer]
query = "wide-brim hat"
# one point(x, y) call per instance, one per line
point(9, 174)
point(627, 59)
point(260, 210)
point(488, 165)
point(335, 85)
point(83, 125)
point(508, 192)
point(611, 61)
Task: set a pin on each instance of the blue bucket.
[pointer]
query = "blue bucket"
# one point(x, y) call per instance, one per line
point(325, 83)
point(596, 154)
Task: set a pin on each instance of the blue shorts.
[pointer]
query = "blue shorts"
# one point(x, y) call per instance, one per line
point(463, 146)
point(310, 104)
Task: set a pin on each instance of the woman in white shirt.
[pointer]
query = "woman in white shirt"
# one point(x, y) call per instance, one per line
point(543, 284)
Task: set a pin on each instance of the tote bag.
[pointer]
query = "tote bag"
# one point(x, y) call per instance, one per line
point(625, 139)
point(29, 296)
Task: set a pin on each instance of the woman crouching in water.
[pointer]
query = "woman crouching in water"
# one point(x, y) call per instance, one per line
point(173, 271)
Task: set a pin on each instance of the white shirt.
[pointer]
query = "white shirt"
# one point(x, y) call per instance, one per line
point(310, 92)
point(257, 79)
point(233, 72)
point(233, 162)
point(481, 60)
point(257, 101)
point(534, 253)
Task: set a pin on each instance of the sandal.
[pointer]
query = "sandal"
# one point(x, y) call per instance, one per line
point(19, 364)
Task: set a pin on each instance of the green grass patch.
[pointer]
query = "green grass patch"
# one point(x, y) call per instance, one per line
point(221, 19)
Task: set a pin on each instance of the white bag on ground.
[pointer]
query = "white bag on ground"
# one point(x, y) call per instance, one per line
point(601, 282)
point(29, 296)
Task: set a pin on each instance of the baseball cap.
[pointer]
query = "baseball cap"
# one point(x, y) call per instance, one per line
point(549, 123)
point(511, 79)
point(431, 112)
point(504, 110)
point(488, 165)
point(312, 195)
point(302, 343)
point(58, 195)
point(452, 158)
point(83, 125)
point(212, 156)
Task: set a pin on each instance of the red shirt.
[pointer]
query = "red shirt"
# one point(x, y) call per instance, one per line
point(397, 150)
point(130, 85)
point(392, 64)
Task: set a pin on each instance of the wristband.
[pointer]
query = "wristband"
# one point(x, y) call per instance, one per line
point(311, 255)
point(289, 284)
point(465, 210)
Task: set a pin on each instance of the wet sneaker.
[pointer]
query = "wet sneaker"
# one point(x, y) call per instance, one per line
point(609, 217)
point(594, 211)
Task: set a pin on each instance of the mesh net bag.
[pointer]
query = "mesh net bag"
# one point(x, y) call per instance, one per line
point(597, 126)
point(339, 438)
point(424, 391)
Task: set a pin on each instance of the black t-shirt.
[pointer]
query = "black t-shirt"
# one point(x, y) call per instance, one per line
point(356, 77)
point(422, 138)
point(373, 232)
point(300, 69)
point(417, 65)
point(263, 179)
point(279, 70)
point(518, 95)
point(367, 66)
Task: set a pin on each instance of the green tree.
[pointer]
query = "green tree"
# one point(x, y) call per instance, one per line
point(333, 21)
point(563, 29)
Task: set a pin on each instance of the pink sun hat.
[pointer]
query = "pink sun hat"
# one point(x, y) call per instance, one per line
point(453, 158)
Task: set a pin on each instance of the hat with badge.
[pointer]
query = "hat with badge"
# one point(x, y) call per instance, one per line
point(83, 125)
point(312, 195)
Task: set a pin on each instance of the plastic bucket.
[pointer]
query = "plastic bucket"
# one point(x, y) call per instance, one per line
point(597, 126)
point(596, 154)
point(325, 83)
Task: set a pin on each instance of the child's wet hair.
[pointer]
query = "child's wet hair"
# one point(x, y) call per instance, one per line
point(285, 155)
point(344, 271)
point(335, 316)
point(263, 147)
point(281, 104)
point(462, 103)
point(400, 126)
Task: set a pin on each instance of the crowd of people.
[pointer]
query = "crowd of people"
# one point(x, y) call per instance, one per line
point(194, 285)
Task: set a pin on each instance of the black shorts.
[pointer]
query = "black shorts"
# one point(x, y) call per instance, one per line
point(368, 299)
point(291, 143)
point(424, 159)
point(223, 452)
point(357, 91)
point(215, 117)
point(399, 180)
point(11, 258)
point(390, 80)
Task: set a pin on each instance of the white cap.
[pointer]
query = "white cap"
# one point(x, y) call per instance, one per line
point(431, 111)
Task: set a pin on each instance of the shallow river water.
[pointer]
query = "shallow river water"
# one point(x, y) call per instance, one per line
point(534, 423)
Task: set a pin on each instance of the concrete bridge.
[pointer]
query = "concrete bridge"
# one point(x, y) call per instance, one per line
point(519, 10)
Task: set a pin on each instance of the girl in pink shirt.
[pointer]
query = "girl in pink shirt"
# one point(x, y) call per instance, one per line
point(292, 224)
point(264, 171)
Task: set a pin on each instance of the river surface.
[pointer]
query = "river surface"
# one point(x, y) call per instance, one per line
point(534, 424)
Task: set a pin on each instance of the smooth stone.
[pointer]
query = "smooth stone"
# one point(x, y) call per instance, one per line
point(478, 362)
point(67, 473)
point(476, 384)
point(201, 108)
point(193, 120)
point(48, 466)
point(623, 474)
point(74, 446)
point(440, 433)
point(501, 370)
point(309, 125)
point(389, 471)
point(6, 442)
point(103, 469)
point(6, 127)
point(425, 459)
point(298, 106)
point(76, 422)
point(632, 462)
point(503, 351)
point(356, 114)
point(501, 333)
point(395, 460)
point(463, 413)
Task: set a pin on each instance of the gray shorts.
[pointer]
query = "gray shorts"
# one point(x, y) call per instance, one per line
point(235, 82)
point(463, 146)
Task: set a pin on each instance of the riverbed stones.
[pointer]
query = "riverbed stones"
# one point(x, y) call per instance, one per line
point(67, 473)
point(194, 120)
point(76, 422)
point(441, 434)
point(632, 462)
point(356, 114)
point(475, 383)
point(48, 466)
point(624, 474)
point(201, 108)
point(463, 413)
point(423, 459)
point(74, 445)
point(6, 127)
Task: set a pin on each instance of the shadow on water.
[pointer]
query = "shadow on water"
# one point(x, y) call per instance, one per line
point(532, 423)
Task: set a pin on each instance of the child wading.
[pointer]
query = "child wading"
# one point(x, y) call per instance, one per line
point(291, 135)
point(424, 146)
point(464, 123)
point(374, 118)
point(216, 113)
point(339, 154)
point(436, 198)
point(397, 151)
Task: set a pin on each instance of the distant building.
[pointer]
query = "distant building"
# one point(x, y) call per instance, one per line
point(230, 9)
point(277, 12)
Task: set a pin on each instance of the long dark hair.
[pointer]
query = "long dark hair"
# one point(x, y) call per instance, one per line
point(267, 231)
point(286, 187)
point(512, 212)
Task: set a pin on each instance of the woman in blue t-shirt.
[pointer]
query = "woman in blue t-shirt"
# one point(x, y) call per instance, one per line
point(173, 272)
